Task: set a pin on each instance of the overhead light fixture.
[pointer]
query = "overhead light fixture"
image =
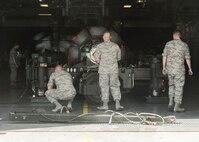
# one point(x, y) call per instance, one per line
point(40, 0)
point(43, 5)
point(127, 6)
point(45, 14)
point(140, 1)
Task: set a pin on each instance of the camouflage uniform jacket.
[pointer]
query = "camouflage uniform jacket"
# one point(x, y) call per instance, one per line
point(109, 54)
point(13, 56)
point(176, 51)
point(62, 80)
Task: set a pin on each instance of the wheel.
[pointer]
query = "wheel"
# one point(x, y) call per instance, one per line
point(82, 37)
point(73, 56)
point(92, 90)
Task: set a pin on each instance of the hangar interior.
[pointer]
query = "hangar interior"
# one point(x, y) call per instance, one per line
point(59, 28)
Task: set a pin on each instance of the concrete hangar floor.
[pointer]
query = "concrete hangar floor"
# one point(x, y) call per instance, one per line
point(185, 127)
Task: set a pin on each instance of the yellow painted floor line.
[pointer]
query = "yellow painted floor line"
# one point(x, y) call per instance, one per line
point(85, 107)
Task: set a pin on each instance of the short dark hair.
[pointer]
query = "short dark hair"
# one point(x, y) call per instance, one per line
point(107, 32)
point(59, 65)
point(177, 32)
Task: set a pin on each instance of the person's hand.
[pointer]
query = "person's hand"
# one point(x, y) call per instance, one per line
point(49, 87)
point(190, 72)
point(164, 71)
point(98, 61)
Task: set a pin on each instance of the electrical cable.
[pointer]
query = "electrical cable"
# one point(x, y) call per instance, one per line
point(152, 114)
point(143, 118)
point(66, 121)
point(118, 113)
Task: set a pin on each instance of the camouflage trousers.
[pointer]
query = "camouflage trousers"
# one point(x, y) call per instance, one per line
point(13, 74)
point(109, 83)
point(176, 84)
point(53, 95)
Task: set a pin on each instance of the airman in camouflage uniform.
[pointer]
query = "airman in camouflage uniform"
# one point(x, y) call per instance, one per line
point(64, 88)
point(13, 61)
point(174, 54)
point(107, 56)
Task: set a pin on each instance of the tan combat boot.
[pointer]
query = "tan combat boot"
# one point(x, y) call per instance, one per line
point(118, 107)
point(171, 104)
point(69, 106)
point(58, 107)
point(103, 107)
point(177, 108)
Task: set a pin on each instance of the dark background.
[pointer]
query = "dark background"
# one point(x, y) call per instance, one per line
point(145, 27)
